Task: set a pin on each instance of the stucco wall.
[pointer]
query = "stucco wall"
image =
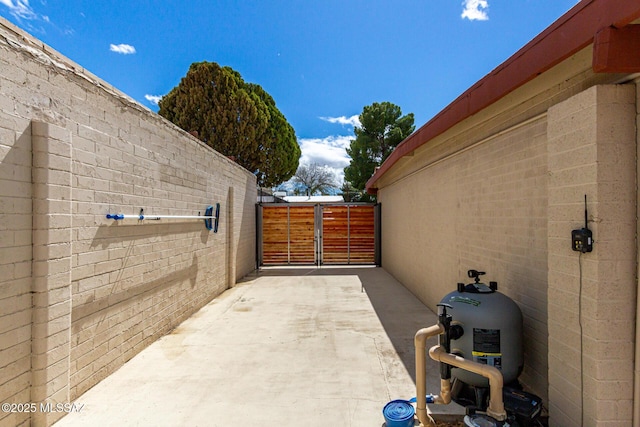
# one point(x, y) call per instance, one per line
point(81, 294)
point(482, 208)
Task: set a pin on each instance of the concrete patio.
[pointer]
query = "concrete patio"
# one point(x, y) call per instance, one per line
point(285, 347)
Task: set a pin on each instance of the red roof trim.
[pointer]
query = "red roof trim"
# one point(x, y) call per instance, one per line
point(615, 50)
point(565, 37)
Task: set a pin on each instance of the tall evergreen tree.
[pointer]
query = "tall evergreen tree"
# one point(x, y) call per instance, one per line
point(382, 128)
point(236, 118)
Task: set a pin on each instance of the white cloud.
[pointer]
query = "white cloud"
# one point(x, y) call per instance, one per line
point(343, 120)
point(154, 99)
point(20, 9)
point(329, 152)
point(124, 49)
point(475, 10)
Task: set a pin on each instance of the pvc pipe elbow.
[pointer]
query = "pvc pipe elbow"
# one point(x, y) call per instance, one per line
point(496, 404)
point(424, 333)
point(420, 342)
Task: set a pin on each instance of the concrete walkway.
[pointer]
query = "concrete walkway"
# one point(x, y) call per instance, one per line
point(286, 347)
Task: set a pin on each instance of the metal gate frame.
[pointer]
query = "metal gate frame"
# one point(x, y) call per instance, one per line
point(318, 231)
point(317, 218)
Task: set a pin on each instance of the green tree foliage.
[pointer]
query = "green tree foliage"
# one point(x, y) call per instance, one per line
point(382, 128)
point(350, 194)
point(236, 118)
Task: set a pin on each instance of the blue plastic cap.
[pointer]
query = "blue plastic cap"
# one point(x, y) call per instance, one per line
point(399, 413)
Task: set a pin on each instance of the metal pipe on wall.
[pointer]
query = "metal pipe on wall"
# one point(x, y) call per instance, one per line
point(636, 370)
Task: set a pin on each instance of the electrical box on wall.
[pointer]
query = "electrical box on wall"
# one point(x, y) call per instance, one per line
point(582, 239)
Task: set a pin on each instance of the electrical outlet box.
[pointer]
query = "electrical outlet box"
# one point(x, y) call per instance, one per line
point(582, 240)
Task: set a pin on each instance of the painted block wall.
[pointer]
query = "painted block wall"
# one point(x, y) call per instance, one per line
point(81, 294)
point(15, 257)
point(592, 151)
point(507, 205)
point(481, 208)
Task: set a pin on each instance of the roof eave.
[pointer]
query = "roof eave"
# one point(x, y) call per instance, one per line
point(572, 32)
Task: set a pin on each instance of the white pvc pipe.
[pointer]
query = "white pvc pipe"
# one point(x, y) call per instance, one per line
point(210, 220)
point(159, 217)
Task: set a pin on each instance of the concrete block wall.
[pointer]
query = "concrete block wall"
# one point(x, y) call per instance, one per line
point(15, 257)
point(80, 294)
point(507, 205)
point(592, 151)
point(52, 217)
point(481, 208)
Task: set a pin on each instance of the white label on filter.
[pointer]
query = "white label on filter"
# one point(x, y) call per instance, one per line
point(491, 359)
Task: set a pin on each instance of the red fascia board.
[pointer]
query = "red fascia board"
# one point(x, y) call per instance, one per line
point(569, 34)
point(617, 50)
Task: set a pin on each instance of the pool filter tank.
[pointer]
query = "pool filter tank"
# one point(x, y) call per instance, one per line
point(488, 330)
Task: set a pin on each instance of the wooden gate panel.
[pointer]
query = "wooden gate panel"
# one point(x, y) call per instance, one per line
point(275, 235)
point(362, 243)
point(288, 235)
point(348, 234)
point(335, 235)
point(302, 234)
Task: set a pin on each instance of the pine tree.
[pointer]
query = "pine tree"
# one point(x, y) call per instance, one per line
point(237, 119)
point(382, 128)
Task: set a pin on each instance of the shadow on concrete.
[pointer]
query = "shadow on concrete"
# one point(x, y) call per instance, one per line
point(399, 311)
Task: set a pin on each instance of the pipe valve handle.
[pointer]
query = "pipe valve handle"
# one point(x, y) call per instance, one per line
point(475, 274)
point(444, 308)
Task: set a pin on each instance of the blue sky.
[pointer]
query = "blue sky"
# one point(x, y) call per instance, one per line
point(322, 61)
